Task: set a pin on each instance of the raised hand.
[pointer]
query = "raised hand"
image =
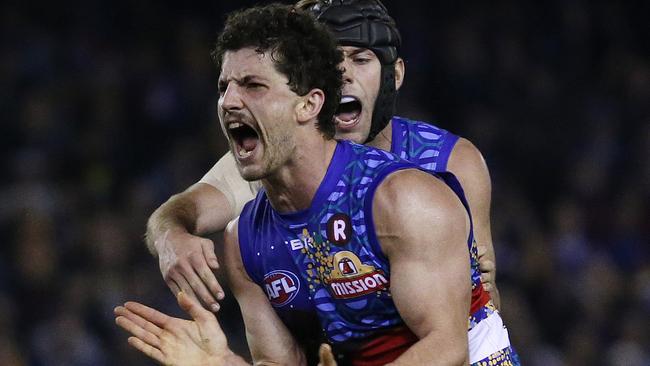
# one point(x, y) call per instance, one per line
point(174, 341)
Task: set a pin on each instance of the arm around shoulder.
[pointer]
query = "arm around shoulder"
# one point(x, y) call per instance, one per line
point(201, 209)
point(187, 260)
point(205, 207)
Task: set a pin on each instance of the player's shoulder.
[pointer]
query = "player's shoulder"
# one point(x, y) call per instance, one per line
point(466, 159)
point(466, 149)
point(411, 200)
point(408, 189)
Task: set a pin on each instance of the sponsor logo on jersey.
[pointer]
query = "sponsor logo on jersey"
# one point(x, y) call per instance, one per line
point(339, 229)
point(351, 278)
point(281, 287)
point(303, 242)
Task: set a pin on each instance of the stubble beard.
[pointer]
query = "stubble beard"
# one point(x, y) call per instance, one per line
point(277, 151)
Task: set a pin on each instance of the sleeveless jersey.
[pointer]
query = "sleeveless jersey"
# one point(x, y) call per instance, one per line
point(309, 278)
point(326, 259)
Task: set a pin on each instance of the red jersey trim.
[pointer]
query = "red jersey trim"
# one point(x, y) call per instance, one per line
point(480, 298)
point(385, 348)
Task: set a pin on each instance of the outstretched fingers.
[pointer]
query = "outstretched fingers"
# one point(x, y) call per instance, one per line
point(138, 320)
point(138, 331)
point(147, 349)
point(149, 314)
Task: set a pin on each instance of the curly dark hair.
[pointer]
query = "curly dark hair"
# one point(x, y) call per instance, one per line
point(302, 49)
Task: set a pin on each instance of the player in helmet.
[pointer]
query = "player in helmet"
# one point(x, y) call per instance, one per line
point(175, 229)
point(365, 25)
point(333, 247)
point(373, 72)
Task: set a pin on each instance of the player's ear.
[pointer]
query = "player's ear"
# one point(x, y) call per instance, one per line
point(400, 69)
point(310, 105)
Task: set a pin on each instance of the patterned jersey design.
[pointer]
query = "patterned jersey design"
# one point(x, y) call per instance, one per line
point(345, 276)
point(423, 144)
point(332, 248)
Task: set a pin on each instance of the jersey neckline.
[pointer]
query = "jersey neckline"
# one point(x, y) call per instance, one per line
point(335, 169)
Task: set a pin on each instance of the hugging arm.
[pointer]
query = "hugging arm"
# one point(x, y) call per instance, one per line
point(174, 230)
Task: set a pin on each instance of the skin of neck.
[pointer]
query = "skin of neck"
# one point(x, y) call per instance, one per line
point(293, 185)
point(384, 138)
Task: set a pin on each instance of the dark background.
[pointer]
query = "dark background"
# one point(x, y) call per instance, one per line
point(108, 107)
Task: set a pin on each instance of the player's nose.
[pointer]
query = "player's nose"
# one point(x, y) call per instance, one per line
point(231, 99)
point(348, 71)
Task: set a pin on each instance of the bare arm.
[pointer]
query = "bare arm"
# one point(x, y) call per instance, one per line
point(423, 231)
point(186, 260)
point(269, 340)
point(201, 209)
point(205, 207)
point(467, 163)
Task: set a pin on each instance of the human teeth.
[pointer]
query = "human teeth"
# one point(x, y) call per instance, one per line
point(347, 99)
point(244, 154)
point(234, 125)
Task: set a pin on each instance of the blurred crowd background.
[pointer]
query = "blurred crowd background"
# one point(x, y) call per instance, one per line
point(108, 107)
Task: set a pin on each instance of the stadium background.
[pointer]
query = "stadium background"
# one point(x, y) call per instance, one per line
point(108, 107)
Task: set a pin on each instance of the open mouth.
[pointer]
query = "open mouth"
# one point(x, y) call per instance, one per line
point(348, 113)
point(245, 137)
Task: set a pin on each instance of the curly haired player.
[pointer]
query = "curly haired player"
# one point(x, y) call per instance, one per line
point(331, 249)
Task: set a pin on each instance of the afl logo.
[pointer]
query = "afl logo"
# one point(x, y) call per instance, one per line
point(281, 287)
point(339, 229)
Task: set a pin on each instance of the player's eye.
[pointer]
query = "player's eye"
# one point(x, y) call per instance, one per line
point(253, 85)
point(221, 87)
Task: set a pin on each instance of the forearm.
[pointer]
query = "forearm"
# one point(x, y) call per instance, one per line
point(435, 349)
point(200, 210)
point(435, 309)
point(269, 340)
point(177, 214)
